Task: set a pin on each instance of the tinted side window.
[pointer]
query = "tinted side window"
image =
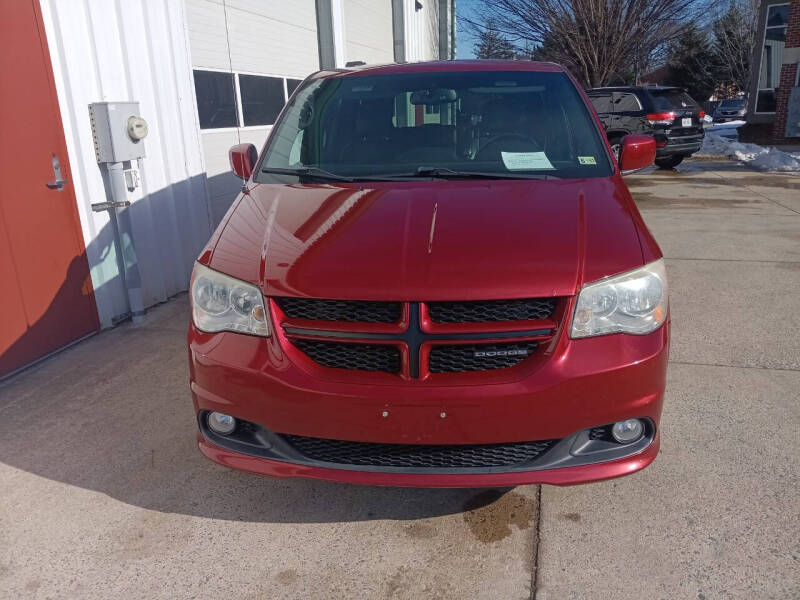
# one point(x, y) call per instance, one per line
point(601, 102)
point(262, 99)
point(216, 101)
point(626, 103)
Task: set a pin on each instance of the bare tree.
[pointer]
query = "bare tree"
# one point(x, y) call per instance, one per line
point(734, 39)
point(492, 44)
point(599, 40)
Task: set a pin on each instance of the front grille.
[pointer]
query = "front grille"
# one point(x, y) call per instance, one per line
point(418, 456)
point(478, 357)
point(340, 310)
point(482, 311)
point(359, 357)
point(398, 349)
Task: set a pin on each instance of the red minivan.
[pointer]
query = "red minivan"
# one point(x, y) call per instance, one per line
point(434, 276)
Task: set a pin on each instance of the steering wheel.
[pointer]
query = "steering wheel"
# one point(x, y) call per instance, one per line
point(508, 136)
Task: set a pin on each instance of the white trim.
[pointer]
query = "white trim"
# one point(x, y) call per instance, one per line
point(238, 91)
point(239, 71)
point(235, 129)
point(339, 41)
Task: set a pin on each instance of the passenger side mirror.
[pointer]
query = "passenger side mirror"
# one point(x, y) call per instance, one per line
point(636, 152)
point(243, 159)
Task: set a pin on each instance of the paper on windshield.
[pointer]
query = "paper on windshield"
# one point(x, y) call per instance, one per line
point(525, 160)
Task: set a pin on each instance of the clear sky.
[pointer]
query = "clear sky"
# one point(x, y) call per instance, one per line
point(465, 42)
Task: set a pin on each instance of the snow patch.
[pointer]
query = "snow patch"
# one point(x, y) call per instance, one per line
point(759, 157)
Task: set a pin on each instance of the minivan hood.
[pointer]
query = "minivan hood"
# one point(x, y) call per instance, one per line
point(429, 240)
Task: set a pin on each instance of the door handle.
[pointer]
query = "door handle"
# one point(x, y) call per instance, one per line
point(59, 181)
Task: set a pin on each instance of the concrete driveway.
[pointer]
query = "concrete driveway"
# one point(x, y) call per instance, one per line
point(103, 494)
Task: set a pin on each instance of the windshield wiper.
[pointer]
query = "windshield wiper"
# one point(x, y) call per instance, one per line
point(444, 172)
point(316, 172)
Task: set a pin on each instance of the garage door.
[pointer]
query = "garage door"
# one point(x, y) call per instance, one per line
point(368, 31)
point(247, 56)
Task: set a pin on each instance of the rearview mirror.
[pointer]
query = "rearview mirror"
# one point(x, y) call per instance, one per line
point(636, 152)
point(436, 96)
point(243, 159)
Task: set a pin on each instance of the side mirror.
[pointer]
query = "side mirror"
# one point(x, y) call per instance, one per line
point(636, 152)
point(243, 159)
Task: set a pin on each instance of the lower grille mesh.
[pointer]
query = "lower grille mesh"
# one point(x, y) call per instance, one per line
point(418, 456)
point(478, 357)
point(361, 357)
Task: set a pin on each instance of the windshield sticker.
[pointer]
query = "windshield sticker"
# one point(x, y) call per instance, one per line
point(525, 160)
point(587, 160)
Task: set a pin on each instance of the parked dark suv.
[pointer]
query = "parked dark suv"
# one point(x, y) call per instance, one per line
point(667, 113)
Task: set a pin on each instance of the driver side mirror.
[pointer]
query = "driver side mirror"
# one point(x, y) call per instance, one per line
point(243, 159)
point(636, 152)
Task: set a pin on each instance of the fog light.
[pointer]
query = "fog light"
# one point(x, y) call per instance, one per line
point(222, 424)
point(627, 432)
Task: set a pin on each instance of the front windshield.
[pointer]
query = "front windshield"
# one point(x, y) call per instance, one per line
point(496, 123)
point(737, 103)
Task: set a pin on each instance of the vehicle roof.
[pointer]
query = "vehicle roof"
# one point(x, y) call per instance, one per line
point(634, 88)
point(443, 65)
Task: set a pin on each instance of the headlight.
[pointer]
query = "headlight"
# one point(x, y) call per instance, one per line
point(222, 303)
point(634, 302)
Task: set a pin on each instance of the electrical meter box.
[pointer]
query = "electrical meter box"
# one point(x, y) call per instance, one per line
point(118, 131)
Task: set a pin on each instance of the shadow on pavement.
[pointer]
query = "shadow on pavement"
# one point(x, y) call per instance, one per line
point(113, 415)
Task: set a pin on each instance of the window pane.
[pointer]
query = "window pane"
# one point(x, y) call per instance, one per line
point(627, 103)
point(778, 15)
point(291, 85)
point(772, 58)
point(766, 101)
point(601, 103)
point(669, 99)
point(776, 35)
point(262, 99)
point(216, 104)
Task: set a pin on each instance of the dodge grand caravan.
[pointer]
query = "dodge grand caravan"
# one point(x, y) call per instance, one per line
point(434, 276)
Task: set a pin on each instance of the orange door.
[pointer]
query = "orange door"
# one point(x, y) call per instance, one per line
point(46, 298)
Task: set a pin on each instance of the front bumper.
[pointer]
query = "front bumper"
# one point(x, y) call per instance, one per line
point(555, 476)
point(579, 384)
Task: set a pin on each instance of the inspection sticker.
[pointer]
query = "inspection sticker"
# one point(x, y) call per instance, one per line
point(525, 160)
point(587, 160)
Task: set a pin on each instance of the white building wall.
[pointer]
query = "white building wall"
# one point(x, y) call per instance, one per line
point(136, 50)
point(421, 30)
point(368, 31)
point(257, 37)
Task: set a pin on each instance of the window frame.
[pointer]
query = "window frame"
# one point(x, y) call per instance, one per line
point(238, 97)
point(764, 29)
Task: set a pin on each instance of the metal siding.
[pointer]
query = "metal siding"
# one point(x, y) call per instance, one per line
point(368, 31)
point(421, 31)
point(273, 36)
point(133, 50)
point(209, 42)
